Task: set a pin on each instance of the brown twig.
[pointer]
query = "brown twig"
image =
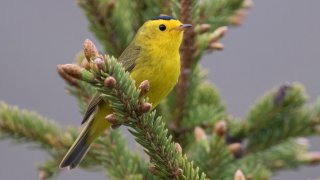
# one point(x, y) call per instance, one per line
point(187, 53)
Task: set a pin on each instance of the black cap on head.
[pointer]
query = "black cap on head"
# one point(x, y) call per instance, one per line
point(163, 17)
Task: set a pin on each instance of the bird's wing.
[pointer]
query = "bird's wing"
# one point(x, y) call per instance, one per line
point(92, 107)
point(129, 56)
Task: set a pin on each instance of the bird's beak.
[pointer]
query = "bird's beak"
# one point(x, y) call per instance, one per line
point(184, 26)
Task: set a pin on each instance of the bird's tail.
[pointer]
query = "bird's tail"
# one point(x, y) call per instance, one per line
point(95, 125)
point(78, 150)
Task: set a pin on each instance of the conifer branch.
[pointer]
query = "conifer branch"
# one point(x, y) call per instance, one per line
point(119, 89)
point(287, 155)
point(98, 14)
point(29, 126)
point(118, 161)
point(280, 115)
point(25, 126)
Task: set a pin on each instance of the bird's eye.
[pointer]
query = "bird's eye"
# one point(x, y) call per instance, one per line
point(162, 27)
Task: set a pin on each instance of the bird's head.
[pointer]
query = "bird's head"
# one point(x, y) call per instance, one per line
point(162, 31)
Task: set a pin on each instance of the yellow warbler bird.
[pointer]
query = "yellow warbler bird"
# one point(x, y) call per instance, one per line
point(153, 55)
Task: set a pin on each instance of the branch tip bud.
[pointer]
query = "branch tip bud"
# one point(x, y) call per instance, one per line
point(203, 28)
point(110, 82)
point(42, 175)
point(144, 87)
point(235, 149)
point(99, 63)
point(247, 4)
point(178, 147)
point(199, 134)
point(239, 175)
point(218, 34)
point(216, 46)
point(220, 128)
point(89, 49)
point(145, 107)
point(112, 118)
point(238, 17)
point(72, 81)
point(72, 70)
point(314, 157)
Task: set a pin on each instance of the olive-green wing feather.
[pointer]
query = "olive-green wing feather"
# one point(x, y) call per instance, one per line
point(92, 107)
point(129, 56)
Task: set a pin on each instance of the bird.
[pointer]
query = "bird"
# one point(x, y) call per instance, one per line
point(152, 55)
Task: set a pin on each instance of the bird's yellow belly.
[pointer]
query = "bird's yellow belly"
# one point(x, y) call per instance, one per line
point(162, 74)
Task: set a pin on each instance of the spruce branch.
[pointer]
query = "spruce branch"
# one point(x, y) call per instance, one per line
point(204, 106)
point(287, 155)
point(280, 115)
point(118, 161)
point(29, 126)
point(24, 126)
point(99, 15)
point(212, 155)
point(150, 132)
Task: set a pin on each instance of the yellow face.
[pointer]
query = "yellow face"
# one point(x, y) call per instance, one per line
point(164, 32)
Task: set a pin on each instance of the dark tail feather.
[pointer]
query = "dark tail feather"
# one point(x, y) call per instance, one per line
point(77, 151)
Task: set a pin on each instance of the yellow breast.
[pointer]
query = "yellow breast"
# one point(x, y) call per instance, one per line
point(161, 67)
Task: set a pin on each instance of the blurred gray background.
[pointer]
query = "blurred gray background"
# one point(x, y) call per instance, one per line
point(278, 42)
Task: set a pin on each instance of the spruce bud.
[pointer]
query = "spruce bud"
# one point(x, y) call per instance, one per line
point(199, 134)
point(145, 107)
point(99, 63)
point(144, 87)
point(239, 175)
point(178, 147)
point(218, 34)
point(72, 70)
point(112, 118)
point(247, 4)
point(110, 82)
point(216, 46)
point(220, 128)
point(314, 157)
point(235, 149)
point(90, 50)
point(203, 28)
